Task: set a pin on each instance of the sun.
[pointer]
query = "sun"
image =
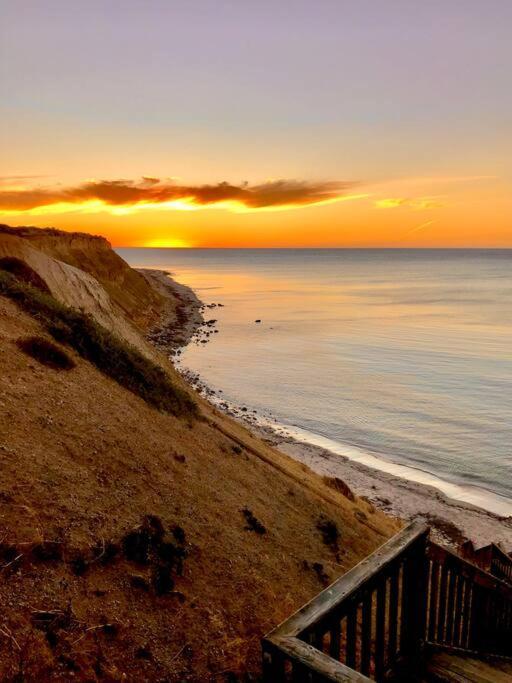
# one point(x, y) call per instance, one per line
point(167, 243)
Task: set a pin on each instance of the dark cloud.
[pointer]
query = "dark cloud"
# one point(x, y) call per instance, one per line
point(151, 190)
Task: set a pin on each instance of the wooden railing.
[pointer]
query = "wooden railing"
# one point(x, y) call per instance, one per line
point(491, 558)
point(374, 621)
point(468, 608)
point(501, 563)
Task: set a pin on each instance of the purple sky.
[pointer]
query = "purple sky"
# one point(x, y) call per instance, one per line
point(242, 90)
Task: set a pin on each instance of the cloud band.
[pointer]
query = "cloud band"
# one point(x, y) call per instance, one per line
point(153, 191)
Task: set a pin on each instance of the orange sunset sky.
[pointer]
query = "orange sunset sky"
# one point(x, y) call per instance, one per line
point(244, 125)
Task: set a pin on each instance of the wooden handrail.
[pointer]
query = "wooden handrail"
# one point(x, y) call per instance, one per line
point(467, 569)
point(305, 657)
point(354, 580)
point(501, 563)
point(468, 607)
point(354, 602)
point(491, 558)
point(375, 620)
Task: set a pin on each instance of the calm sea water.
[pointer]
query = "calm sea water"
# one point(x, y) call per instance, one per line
point(401, 354)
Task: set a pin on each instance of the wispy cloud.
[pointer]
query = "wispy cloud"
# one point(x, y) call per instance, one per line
point(154, 193)
point(448, 179)
point(413, 202)
point(11, 178)
point(420, 227)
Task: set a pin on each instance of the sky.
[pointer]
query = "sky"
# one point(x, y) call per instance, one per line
point(215, 123)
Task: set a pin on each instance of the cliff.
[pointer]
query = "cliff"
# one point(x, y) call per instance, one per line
point(139, 542)
point(127, 288)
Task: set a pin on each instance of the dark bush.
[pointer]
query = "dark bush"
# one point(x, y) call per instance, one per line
point(318, 568)
point(149, 544)
point(115, 358)
point(136, 546)
point(329, 531)
point(253, 524)
point(46, 352)
point(179, 534)
point(47, 551)
point(162, 580)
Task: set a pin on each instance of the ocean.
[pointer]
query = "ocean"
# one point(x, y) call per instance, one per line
point(399, 358)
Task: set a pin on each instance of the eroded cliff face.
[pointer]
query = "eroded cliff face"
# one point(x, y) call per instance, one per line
point(85, 273)
point(91, 254)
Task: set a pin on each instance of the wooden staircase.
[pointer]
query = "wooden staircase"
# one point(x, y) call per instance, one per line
point(413, 611)
point(448, 667)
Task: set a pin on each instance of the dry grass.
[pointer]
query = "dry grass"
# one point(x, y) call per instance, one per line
point(83, 462)
point(115, 358)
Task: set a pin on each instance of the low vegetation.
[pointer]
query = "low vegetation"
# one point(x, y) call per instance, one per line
point(253, 523)
point(339, 485)
point(113, 357)
point(330, 533)
point(46, 352)
point(23, 272)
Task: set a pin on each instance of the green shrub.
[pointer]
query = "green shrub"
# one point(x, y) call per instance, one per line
point(46, 352)
point(113, 357)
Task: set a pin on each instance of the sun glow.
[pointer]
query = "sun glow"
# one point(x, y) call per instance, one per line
point(167, 243)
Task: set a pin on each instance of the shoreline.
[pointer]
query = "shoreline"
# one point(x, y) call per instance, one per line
point(452, 520)
point(179, 321)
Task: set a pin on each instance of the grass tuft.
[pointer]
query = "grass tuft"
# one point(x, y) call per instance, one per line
point(46, 352)
point(113, 357)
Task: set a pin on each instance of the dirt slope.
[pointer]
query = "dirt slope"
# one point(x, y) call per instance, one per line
point(83, 462)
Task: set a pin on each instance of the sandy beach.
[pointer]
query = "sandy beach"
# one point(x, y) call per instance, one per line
point(452, 521)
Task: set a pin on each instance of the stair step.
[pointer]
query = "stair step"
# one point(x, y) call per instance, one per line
point(460, 668)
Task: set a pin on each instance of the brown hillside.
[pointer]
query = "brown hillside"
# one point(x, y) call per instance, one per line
point(84, 462)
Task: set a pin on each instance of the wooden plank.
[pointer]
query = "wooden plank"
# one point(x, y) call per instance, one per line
point(352, 582)
point(421, 593)
point(324, 667)
point(351, 636)
point(380, 634)
point(441, 612)
point(335, 643)
point(466, 616)
point(406, 594)
point(461, 667)
point(273, 663)
point(476, 618)
point(366, 634)
point(434, 590)
point(450, 602)
point(393, 614)
point(462, 587)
